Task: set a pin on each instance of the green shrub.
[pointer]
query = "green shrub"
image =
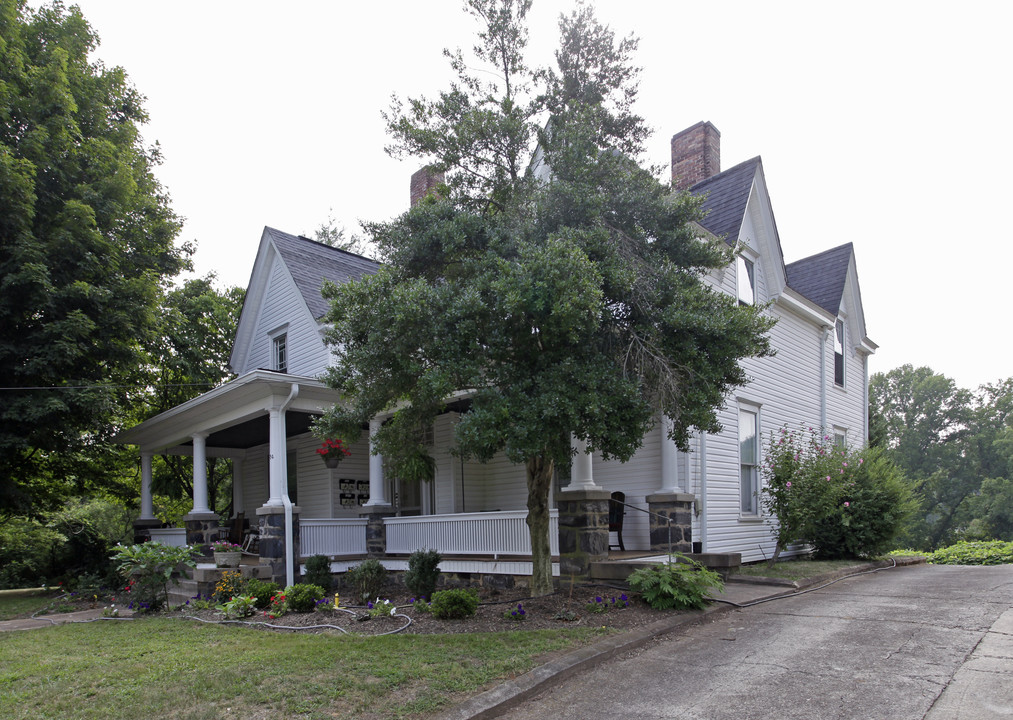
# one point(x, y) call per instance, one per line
point(680, 585)
point(303, 598)
point(423, 572)
point(454, 604)
point(368, 579)
point(844, 503)
point(25, 549)
point(151, 567)
point(318, 572)
point(263, 590)
point(238, 607)
point(993, 552)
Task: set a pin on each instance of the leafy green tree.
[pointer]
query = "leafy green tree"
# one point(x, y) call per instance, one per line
point(189, 356)
point(954, 446)
point(560, 289)
point(86, 246)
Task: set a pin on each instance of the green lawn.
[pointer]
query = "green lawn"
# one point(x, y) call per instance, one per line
point(18, 603)
point(797, 569)
point(160, 667)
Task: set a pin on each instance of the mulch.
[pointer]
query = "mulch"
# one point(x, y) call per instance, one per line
point(555, 611)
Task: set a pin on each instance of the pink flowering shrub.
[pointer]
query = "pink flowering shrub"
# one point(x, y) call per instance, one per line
point(842, 502)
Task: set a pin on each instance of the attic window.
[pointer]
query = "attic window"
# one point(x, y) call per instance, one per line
point(281, 353)
point(839, 353)
point(744, 273)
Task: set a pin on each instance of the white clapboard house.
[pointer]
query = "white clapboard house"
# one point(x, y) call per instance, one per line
point(473, 512)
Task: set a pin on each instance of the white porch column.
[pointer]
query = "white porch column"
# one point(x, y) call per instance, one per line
point(377, 487)
point(147, 511)
point(581, 476)
point(238, 504)
point(669, 458)
point(200, 474)
point(278, 466)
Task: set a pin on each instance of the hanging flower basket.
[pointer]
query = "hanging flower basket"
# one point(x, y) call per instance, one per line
point(333, 451)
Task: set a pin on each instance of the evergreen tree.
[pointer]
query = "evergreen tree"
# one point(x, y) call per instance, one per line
point(552, 280)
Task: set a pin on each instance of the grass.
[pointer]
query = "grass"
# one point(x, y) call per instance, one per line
point(18, 603)
point(163, 667)
point(797, 569)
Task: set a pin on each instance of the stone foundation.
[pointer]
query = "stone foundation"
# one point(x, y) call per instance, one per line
point(201, 530)
point(142, 529)
point(376, 532)
point(677, 508)
point(583, 531)
point(272, 542)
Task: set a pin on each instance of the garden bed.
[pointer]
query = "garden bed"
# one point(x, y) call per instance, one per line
point(554, 611)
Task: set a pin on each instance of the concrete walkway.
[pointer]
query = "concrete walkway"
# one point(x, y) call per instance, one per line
point(918, 643)
point(60, 618)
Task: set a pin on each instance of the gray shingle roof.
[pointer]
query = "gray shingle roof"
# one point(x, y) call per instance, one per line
point(726, 196)
point(821, 277)
point(311, 263)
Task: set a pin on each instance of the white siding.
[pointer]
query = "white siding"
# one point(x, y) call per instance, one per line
point(283, 306)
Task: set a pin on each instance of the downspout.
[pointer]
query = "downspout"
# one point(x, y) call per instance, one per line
point(703, 491)
point(823, 380)
point(287, 502)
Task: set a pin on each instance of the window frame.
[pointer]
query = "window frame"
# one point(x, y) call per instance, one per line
point(751, 414)
point(745, 266)
point(840, 335)
point(279, 352)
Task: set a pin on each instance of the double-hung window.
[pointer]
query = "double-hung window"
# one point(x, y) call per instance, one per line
point(280, 360)
point(749, 461)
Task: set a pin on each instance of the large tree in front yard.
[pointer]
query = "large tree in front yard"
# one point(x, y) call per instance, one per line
point(560, 291)
point(86, 247)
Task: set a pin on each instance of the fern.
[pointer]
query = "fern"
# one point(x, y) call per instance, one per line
point(681, 585)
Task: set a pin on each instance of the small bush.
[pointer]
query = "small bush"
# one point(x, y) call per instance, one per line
point(151, 566)
point(368, 578)
point(423, 572)
point(303, 598)
point(517, 614)
point(993, 552)
point(454, 604)
point(678, 585)
point(238, 607)
point(318, 572)
point(262, 590)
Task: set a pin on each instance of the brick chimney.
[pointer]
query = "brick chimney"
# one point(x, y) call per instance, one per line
point(696, 155)
point(424, 182)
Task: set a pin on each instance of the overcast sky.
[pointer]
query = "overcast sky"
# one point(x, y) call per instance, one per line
point(884, 124)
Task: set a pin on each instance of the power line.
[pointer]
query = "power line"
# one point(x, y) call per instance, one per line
point(107, 387)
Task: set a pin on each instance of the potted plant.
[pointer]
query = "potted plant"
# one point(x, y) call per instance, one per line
point(333, 451)
point(227, 555)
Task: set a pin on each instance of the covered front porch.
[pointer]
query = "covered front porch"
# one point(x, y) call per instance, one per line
point(471, 513)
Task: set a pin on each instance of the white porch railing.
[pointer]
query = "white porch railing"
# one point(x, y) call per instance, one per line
point(484, 533)
point(175, 537)
point(332, 536)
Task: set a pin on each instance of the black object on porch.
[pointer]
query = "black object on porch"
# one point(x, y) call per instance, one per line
point(617, 509)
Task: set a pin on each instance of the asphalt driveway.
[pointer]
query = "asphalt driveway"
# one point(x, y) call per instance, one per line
point(917, 642)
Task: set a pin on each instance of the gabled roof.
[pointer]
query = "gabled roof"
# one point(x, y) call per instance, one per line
point(821, 277)
point(727, 194)
point(311, 263)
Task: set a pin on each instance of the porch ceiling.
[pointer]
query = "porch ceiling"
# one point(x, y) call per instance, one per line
point(257, 431)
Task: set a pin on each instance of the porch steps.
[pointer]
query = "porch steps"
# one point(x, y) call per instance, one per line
point(205, 576)
point(619, 569)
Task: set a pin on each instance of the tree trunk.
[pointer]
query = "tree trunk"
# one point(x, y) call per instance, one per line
point(539, 481)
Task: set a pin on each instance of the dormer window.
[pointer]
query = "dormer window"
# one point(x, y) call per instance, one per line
point(839, 353)
point(745, 277)
point(280, 360)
